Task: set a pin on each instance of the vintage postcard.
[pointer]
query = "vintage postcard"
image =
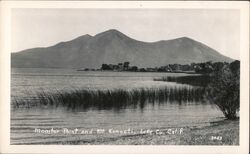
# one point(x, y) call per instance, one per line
point(131, 77)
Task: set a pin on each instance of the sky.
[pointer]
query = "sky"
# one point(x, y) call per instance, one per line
point(217, 28)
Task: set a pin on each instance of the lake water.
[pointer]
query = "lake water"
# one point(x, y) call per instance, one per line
point(26, 123)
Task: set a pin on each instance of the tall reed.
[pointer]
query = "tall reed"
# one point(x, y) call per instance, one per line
point(113, 99)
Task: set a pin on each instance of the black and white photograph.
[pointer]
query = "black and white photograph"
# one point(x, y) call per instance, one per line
point(126, 76)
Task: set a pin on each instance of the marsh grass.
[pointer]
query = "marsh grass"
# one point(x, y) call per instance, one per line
point(194, 80)
point(112, 99)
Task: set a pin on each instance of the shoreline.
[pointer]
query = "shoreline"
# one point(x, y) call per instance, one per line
point(140, 71)
point(223, 132)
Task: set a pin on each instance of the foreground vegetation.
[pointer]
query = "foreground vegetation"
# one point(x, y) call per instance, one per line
point(224, 90)
point(113, 99)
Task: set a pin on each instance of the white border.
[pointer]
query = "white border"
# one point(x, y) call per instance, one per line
point(5, 48)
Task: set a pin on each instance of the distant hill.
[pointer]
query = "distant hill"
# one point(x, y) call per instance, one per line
point(113, 46)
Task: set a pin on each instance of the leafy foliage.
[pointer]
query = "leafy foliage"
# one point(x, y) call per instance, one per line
point(224, 90)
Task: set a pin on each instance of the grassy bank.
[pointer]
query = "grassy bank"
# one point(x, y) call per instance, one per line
point(195, 80)
point(113, 99)
point(225, 132)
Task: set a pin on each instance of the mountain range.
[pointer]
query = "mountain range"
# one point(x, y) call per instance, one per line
point(112, 47)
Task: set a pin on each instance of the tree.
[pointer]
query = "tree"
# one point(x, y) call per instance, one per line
point(204, 68)
point(224, 90)
point(105, 67)
point(125, 65)
point(133, 68)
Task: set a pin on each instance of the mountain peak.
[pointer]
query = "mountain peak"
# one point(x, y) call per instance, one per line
point(111, 32)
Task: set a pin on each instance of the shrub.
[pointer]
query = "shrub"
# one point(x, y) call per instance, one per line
point(224, 90)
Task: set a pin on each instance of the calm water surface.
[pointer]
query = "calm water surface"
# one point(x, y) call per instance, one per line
point(25, 83)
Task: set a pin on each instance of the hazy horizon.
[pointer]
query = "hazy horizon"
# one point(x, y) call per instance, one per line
point(218, 29)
